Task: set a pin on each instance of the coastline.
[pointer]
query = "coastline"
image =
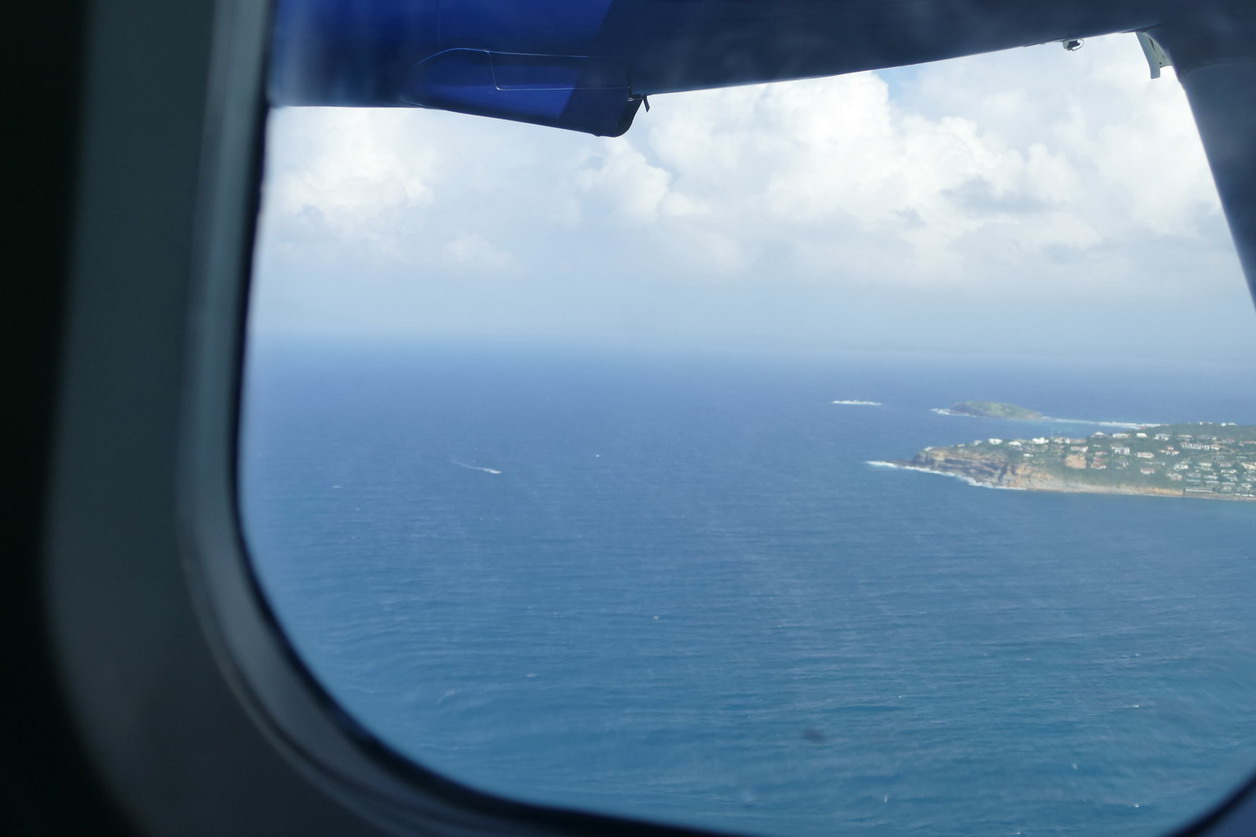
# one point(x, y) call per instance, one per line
point(907, 466)
point(1052, 486)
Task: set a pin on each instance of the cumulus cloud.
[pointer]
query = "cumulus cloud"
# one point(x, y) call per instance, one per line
point(403, 187)
point(344, 173)
point(624, 182)
point(1027, 153)
point(469, 249)
point(1024, 173)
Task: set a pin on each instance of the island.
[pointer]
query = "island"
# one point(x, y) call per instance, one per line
point(991, 409)
point(1205, 460)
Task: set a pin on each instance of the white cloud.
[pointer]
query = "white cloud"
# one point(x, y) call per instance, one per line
point(1027, 148)
point(470, 250)
point(629, 187)
point(349, 166)
point(1031, 172)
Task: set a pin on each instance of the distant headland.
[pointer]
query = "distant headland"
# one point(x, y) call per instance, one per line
point(990, 409)
point(1205, 460)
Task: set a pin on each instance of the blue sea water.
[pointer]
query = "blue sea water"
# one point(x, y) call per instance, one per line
point(675, 588)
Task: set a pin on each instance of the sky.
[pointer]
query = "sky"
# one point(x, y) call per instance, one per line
point(1035, 202)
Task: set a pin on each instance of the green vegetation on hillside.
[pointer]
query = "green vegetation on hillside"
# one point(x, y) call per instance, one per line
point(1193, 460)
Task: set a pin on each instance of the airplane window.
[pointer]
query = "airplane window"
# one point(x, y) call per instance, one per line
point(604, 473)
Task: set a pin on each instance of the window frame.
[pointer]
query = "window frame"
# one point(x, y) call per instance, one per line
point(191, 701)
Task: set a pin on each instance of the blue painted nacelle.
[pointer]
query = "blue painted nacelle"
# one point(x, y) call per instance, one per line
point(586, 64)
point(529, 62)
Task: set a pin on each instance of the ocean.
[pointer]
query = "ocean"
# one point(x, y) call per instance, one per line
point(673, 587)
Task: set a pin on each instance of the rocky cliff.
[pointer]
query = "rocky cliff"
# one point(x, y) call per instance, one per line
point(1005, 469)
